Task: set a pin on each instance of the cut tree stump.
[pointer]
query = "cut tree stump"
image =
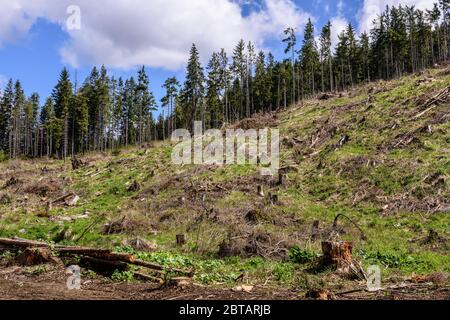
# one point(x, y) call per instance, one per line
point(273, 198)
point(181, 239)
point(281, 179)
point(338, 255)
point(34, 256)
point(260, 191)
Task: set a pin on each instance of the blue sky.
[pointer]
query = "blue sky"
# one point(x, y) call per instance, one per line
point(35, 43)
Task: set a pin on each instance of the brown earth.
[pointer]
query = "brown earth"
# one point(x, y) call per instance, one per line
point(17, 283)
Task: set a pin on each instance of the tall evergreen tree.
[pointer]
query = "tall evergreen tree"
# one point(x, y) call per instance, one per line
point(62, 97)
point(193, 90)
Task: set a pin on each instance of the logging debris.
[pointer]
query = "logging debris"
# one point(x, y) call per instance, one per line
point(100, 260)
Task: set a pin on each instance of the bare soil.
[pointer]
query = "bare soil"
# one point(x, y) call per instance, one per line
point(18, 284)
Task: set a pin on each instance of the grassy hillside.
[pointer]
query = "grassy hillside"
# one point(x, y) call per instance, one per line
point(379, 154)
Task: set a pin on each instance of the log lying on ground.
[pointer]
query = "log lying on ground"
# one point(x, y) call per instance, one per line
point(155, 266)
point(103, 266)
point(63, 198)
point(96, 256)
point(21, 243)
point(97, 253)
point(147, 277)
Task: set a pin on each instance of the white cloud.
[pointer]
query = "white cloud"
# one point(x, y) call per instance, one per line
point(373, 8)
point(338, 24)
point(157, 33)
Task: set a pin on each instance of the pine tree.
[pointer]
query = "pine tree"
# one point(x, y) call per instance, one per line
point(291, 41)
point(31, 113)
point(225, 78)
point(240, 72)
point(6, 116)
point(172, 87)
point(213, 92)
point(309, 57)
point(193, 90)
point(62, 97)
point(326, 56)
point(145, 104)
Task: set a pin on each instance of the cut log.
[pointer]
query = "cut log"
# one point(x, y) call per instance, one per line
point(63, 198)
point(81, 250)
point(147, 277)
point(158, 267)
point(103, 266)
point(22, 243)
point(97, 253)
point(180, 282)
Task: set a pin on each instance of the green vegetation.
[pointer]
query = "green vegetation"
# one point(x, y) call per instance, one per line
point(390, 177)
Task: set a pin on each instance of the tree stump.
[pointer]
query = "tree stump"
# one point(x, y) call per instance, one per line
point(281, 179)
point(338, 255)
point(77, 163)
point(181, 239)
point(260, 191)
point(273, 198)
point(34, 256)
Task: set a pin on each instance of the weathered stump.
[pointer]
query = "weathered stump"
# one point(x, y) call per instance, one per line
point(273, 198)
point(281, 179)
point(260, 191)
point(77, 163)
point(34, 256)
point(338, 255)
point(181, 239)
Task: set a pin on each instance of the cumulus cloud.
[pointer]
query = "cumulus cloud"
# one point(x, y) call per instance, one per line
point(157, 33)
point(373, 8)
point(338, 24)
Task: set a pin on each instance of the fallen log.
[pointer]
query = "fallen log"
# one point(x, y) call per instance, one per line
point(60, 199)
point(103, 266)
point(103, 254)
point(22, 243)
point(147, 277)
point(155, 266)
point(101, 258)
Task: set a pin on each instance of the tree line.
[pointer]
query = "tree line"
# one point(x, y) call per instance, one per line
point(105, 113)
